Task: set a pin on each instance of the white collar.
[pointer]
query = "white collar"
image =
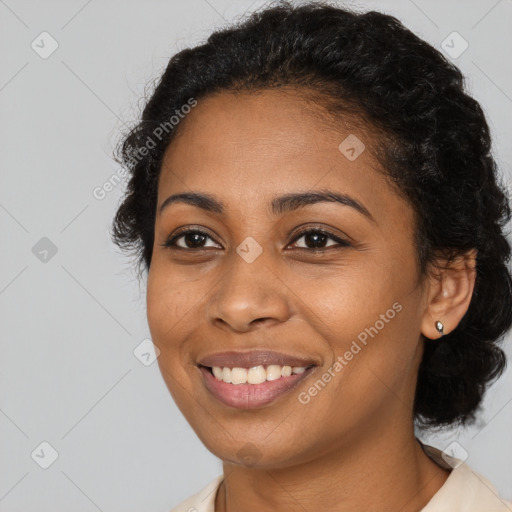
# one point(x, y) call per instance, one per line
point(463, 491)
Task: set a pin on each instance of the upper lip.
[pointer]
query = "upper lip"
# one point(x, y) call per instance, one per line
point(253, 358)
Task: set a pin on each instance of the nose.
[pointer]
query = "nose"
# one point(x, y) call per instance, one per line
point(249, 294)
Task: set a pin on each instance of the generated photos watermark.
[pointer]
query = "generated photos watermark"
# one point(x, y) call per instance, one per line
point(304, 397)
point(164, 128)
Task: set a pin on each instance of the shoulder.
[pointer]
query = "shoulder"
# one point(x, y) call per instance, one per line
point(203, 500)
point(465, 490)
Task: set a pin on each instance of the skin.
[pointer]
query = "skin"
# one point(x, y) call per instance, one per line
point(352, 446)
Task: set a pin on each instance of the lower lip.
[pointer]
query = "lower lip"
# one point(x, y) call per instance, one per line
point(251, 396)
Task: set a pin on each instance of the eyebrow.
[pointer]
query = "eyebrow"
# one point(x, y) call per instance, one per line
point(278, 206)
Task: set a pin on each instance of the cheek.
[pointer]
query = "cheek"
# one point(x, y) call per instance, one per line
point(348, 302)
point(169, 314)
point(368, 320)
point(169, 319)
point(168, 304)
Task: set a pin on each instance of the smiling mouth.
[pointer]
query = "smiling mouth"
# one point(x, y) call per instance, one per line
point(254, 375)
point(255, 387)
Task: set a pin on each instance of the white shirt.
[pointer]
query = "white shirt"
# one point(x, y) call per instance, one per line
point(463, 491)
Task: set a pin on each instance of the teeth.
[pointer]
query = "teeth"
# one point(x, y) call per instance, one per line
point(238, 375)
point(226, 374)
point(256, 374)
point(218, 372)
point(273, 372)
point(286, 371)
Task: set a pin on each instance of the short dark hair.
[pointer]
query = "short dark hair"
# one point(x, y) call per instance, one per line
point(437, 153)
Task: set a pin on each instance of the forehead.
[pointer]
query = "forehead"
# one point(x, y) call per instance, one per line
point(275, 120)
point(251, 147)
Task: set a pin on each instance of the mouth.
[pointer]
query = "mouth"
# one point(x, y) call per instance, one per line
point(256, 374)
point(253, 387)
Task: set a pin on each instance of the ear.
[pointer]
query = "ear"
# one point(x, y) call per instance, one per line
point(449, 294)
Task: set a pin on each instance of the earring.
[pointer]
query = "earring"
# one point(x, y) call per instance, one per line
point(440, 327)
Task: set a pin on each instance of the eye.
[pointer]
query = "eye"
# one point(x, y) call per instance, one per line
point(316, 238)
point(192, 238)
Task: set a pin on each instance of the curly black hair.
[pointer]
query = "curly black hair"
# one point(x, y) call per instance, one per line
point(435, 149)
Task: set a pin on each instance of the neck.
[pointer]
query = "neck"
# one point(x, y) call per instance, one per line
point(381, 472)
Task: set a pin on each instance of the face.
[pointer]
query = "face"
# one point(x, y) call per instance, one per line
point(332, 284)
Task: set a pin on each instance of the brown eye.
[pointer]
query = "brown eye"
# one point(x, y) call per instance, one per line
point(192, 239)
point(316, 239)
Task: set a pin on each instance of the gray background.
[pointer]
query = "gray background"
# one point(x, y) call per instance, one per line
point(71, 320)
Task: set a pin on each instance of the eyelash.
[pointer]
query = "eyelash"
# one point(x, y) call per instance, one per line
point(171, 242)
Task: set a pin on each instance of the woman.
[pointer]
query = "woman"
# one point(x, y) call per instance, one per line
point(313, 197)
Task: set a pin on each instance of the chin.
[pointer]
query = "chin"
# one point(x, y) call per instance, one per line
point(257, 454)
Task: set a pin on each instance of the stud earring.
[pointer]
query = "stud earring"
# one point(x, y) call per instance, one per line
point(440, 327)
